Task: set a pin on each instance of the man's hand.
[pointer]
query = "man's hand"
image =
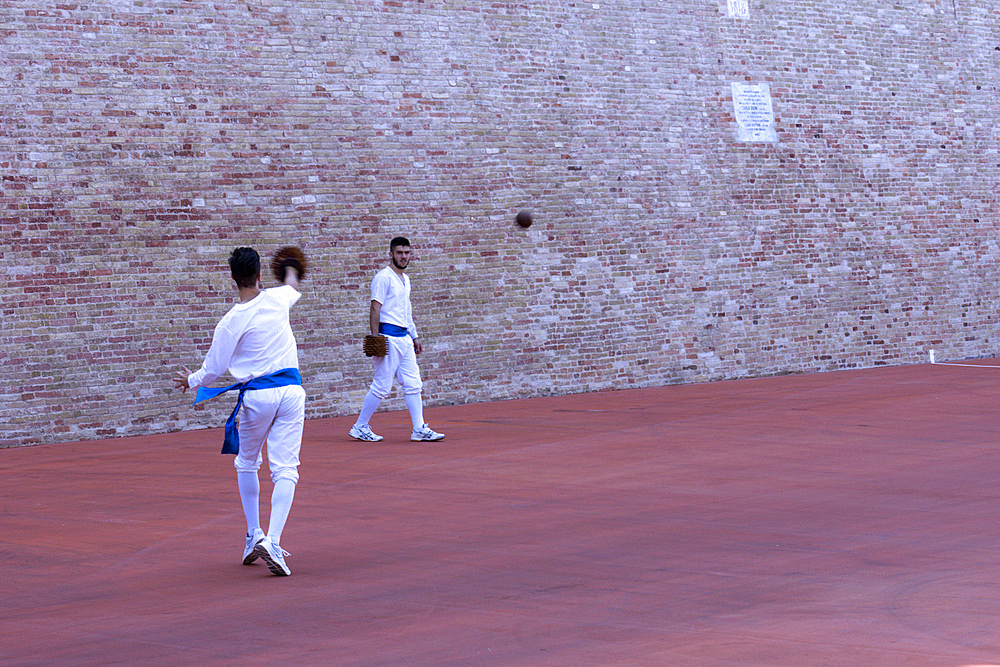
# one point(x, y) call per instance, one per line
point(286, 256)
point(418, 347)
point(292, 277)
point(181, 379)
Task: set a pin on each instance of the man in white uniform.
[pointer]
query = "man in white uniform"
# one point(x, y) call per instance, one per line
point(391, 315)
point(255, 343)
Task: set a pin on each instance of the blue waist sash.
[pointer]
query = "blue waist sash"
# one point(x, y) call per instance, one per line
point(282, 378)
point(391, 329)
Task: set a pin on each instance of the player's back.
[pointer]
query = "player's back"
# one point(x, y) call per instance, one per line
point(265, 340)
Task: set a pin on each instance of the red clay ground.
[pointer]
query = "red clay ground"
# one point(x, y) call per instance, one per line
point(840, 518)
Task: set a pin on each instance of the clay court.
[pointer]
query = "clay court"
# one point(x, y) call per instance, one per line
point(835, 518)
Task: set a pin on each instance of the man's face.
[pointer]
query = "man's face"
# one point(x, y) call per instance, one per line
point(400, 256)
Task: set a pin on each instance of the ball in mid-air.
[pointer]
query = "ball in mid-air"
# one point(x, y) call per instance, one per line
point(523, 218)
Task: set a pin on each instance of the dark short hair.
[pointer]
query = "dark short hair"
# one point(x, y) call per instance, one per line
point(398, 241)
point(244, 264)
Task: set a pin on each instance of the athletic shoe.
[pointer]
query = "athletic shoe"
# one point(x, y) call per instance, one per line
point(364, 433)
point(274, 556)
point(426, 434)
point(252, 541)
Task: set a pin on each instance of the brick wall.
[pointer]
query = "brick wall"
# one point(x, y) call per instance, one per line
point(141, 141)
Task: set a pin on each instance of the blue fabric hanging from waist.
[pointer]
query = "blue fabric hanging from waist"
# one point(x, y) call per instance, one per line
point(392, 329)
point(282, 378)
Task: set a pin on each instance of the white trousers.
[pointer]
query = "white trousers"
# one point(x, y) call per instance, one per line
point(400, 362)
point(275, 416)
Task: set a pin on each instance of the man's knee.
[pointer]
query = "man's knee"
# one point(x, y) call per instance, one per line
point(243, 464)
point(289, 473)
point(378, 391)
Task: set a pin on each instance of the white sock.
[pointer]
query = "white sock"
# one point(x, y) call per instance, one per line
point(281, 505)
point(368, 408)
point(415, 404)
point(249, 485)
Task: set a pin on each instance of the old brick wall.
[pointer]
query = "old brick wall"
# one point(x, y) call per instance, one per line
point(141, 141)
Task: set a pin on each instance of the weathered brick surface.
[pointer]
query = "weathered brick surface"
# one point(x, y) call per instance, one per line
point(141, 141)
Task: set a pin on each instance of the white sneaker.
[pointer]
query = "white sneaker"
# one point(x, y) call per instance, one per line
point(252, 540)
point(426, 434)
point(274, 556)
point(364, 433)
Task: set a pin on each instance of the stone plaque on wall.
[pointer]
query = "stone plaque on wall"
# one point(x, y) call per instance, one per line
point(753, 111)
point(739, 8)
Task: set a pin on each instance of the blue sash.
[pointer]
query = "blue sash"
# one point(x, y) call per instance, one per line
point(282, 378)
point(391, 329)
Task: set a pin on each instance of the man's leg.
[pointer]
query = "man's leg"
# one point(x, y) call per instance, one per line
point(249, 485)
point(284, 441)
point(408, 375)
point(254, 426)
point(383, 369)
point(415, 404)
point(368, 408)
point(361, 430)
point(281, 505)
point(283, 445)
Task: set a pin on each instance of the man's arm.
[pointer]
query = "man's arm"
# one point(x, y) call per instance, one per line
point(373, 315)
point(418, 347)
point(216, 360)
point(292, 278)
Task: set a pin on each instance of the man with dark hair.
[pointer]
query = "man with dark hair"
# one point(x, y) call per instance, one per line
point(391, 315)
point(255, 343)
point(244, 267)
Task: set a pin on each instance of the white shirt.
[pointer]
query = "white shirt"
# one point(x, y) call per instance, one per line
point(393, 291)
point(253, 339)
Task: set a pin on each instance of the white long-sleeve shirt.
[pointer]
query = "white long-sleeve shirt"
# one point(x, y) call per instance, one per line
point(252, 339)
point(393, 291)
